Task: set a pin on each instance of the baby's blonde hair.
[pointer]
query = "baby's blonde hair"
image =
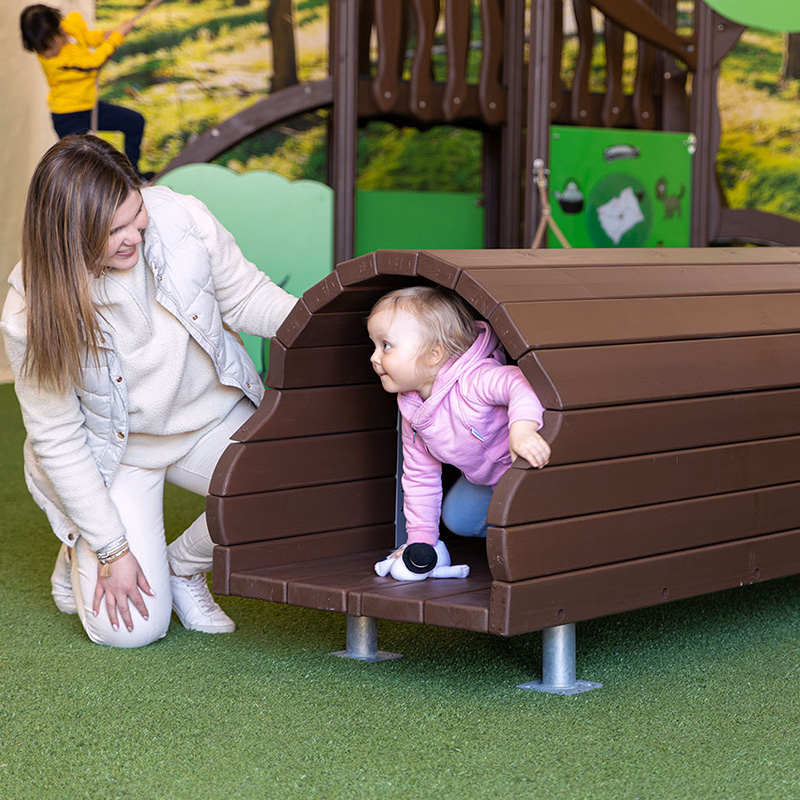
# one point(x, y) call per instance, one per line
point(444, 317)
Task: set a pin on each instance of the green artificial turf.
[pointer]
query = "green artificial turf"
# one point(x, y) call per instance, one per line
point(700, 698)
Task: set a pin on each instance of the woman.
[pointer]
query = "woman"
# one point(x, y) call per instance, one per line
point(117, 325)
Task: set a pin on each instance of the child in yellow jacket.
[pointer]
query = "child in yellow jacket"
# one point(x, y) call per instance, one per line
point(71, 56)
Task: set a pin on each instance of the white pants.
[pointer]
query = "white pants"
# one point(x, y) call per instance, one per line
point(139, 497)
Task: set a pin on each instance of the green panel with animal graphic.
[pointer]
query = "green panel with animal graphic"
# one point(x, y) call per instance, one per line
point(610, 187)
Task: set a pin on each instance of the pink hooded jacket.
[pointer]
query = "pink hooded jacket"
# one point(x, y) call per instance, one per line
point(465, 423)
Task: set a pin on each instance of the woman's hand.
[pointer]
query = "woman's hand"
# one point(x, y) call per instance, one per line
point(525, 442)
point(125, 583)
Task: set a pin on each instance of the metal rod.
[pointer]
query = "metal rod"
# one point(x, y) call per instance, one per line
point(362, 641)
point(558, 664)
point(558, 656)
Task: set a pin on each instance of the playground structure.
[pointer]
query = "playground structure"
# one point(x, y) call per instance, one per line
point(670, 381)
point(384, 65)
point(669, 375)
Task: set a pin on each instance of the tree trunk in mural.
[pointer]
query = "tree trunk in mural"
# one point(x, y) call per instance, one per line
point(280, 21)
point(790, 69)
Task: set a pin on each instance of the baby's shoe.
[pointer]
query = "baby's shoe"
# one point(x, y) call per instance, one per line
point(195, 606)
point(418, 561)
point(61, 582)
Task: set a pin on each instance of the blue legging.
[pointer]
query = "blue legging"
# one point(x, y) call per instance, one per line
point(109, 118)
point(465, 506)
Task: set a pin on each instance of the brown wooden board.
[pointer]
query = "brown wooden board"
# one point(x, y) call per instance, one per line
point(486, 289)
point(615, 431)
point(293, 512)
point(545, 548)
point(302, 329)
point(291, 463)
point(575, 596)
point(381, 262)
point(468, 611)
point(329, 295)
point(275, 552)
point(290, 413)
point(406, 602)
point(580, 377)
point(444, 266)
point(338, 586)
point(525, 326)
point(526, 495)
point(319, 366)
point(278, 582)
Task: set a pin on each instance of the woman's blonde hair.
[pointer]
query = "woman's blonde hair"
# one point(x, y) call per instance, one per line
point(444, 317)
point(75, 191)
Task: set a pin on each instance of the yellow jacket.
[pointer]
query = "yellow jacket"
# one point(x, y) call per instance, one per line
point(72, 74)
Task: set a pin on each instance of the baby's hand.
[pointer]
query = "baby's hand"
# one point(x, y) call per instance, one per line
point(525, 442)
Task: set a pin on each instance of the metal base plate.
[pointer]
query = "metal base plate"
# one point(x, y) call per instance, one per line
point(577, 688)
point(379, 655)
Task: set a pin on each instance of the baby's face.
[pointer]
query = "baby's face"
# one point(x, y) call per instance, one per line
point(399, 343)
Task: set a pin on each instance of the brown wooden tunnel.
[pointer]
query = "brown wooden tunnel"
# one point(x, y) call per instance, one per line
point(671, 380)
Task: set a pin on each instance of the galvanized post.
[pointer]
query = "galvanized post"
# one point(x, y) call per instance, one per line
point(362, 641)
point(558, 664)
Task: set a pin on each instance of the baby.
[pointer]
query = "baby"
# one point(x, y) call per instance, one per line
point(459, 405)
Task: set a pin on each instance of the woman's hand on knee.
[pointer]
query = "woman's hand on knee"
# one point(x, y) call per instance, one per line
point(124, 584)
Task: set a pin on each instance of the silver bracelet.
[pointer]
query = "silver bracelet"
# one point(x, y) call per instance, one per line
point(108, 552)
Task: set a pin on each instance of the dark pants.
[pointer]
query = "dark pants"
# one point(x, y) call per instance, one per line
point(109, 118)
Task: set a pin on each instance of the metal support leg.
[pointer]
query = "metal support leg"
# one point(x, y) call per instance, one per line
point(558, 664)
point(362, 641)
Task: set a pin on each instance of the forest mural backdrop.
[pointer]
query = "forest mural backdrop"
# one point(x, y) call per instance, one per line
point(193, 63)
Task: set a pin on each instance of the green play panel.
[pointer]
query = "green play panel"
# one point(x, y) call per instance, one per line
point(617, 188)
point(399, 220)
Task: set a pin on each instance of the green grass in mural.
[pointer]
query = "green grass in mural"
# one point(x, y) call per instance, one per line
point(759, 162)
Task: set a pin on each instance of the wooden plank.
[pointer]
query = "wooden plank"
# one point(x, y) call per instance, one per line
point(444, 266)
point(381, 262)
point(288, 413)
point(564, 545)
point(290, 463)
point(337, 586)
point(524, 496)
point(323, 293)
point(304, 329)
point(468, 611)
point(528, 326)
point(294, 368)
point(330, 296)
point(572, 597)
point(293, 512)
point(273, 583)
point(581, 377)
point(406, 602)
point(276, 552)
point(616, 431)
point(485, 289)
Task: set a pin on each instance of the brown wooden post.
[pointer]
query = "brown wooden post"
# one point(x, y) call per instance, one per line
point(704, 124)
point(511, 163)
point(538, 121)
point(345, 131)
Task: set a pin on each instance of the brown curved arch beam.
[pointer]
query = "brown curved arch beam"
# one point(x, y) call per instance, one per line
point(278, 106)
point(634, 16)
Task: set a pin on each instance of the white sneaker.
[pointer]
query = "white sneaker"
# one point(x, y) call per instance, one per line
point(196, 608)
point(61, 581)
